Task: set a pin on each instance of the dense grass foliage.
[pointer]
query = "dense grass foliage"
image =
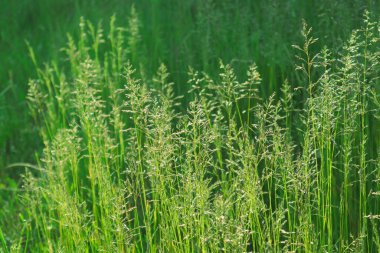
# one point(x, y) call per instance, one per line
point(241, 152)
point(126, 169)
point(179, 33)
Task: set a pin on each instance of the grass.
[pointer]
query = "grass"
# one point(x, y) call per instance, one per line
point(213, 158)
point(202, 33)
point(124, 169)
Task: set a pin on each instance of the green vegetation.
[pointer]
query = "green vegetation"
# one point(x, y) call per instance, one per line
point(194, 132)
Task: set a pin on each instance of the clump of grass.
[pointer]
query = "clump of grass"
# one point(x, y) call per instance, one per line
point(126, 169)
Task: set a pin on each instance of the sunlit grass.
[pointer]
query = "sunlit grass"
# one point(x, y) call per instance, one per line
point(126, 169)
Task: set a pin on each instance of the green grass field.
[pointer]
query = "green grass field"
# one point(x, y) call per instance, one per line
point(189, 126)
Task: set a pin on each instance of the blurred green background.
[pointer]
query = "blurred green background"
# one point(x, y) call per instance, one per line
point(182, 33)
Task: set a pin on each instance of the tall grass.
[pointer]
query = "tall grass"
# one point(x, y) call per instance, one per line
point(190, 32)
point(126, 169)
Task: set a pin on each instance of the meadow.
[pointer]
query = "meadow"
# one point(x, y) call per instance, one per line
point(200, 126)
